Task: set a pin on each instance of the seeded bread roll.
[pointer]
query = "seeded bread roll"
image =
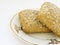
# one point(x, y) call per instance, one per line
point(49, 15)
point(29, 22)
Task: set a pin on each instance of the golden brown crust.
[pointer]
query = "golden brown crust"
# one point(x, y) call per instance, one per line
point(49, 15)
point(29, 22)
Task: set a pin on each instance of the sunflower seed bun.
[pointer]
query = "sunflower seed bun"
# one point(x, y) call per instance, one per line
point(29, 22)
point(49, 15)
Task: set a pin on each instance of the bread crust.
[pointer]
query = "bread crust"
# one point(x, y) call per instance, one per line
point(29, 22)
point(49, 15)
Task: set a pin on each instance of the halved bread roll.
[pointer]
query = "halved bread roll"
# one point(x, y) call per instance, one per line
point(49, 15)
point(29, 22)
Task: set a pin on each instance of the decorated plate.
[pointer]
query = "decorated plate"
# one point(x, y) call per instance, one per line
point(33, 38)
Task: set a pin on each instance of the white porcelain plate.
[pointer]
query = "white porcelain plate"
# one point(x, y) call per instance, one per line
point(34, 38)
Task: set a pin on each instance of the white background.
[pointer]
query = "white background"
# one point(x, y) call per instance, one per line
point(10, 7)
